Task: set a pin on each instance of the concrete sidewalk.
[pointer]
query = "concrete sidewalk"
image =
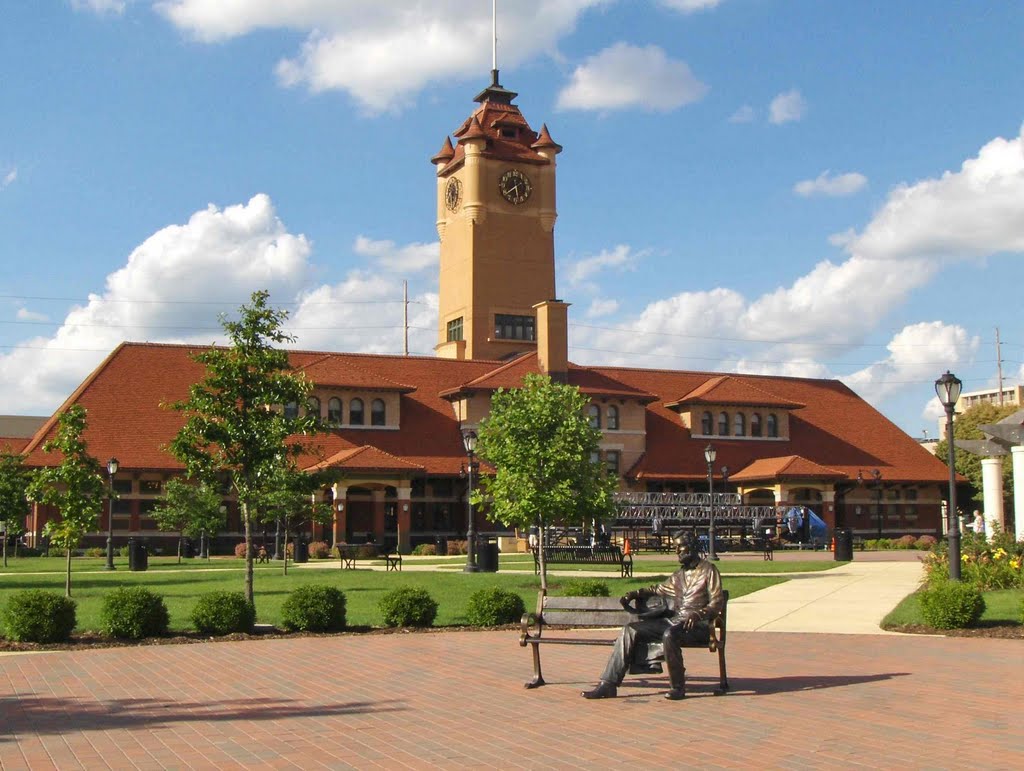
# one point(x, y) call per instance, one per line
point(850, 599)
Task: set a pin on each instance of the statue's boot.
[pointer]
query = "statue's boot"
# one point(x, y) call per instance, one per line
point(604, 690)
point(678, 689)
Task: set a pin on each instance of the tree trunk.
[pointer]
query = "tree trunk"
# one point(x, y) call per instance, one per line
point(542, 541)
point(67, 580)
point(247, 521)
point(181, 536)
point(5, 549)
point(285, 555)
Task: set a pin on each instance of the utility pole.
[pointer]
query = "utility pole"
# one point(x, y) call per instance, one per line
point(405, 315)
point(999, 366)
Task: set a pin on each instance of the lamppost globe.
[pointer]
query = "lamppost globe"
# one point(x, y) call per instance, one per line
point(709, 455)
point(947, 388)
point(469, 444)
point(112, 465)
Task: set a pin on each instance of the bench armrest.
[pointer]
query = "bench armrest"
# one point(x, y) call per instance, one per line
point(529, 620)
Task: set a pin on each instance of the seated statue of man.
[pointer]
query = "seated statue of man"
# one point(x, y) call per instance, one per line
point(694, 594)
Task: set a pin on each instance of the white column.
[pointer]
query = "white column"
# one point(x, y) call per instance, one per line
point(992, 486)
point(1017, 453)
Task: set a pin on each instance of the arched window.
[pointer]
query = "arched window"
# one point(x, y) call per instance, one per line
point(313, 408)
point(706, 426)
point(613, 417)
point(723, 424)
point(355, 412)
point(755, 424)
point(334, 411)
point(773, 425)
point(378, 415)
point(594, 416)
point(291, 410)
point(739, 424)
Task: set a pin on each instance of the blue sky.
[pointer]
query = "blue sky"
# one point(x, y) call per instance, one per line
point(776, 186)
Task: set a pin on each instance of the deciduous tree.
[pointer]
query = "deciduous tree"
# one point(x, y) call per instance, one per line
point(189, 510)
point(75, 486)
point(540, 444)
point(236, 424)
point(14, 481)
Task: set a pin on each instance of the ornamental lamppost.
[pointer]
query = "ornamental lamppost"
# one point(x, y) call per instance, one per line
point(111, 470)
point(709, 456)
point(469, 442)
point(947, 388)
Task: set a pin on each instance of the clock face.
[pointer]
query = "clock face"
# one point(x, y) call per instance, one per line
point(453, 194)
point(515, 186)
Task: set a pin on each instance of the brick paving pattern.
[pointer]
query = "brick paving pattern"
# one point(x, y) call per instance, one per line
point(455, 700)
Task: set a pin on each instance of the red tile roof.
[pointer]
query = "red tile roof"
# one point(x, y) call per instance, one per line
point(836, 433)
point(733, 391)
point(783, 468)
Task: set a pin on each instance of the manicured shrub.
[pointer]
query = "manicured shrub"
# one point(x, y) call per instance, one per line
point(952, 605)
point(223, 612)
point(494, 606)
point(314, 608)
point(407, 606)
point(579, 587)
point(457, 547)
point(95, 551)
point(240, 550)
point(319, 550)
point(36, 615)
point(122, 551)
point(925, 542)
point(425, 550)
point(132, 613)
point(905, 542)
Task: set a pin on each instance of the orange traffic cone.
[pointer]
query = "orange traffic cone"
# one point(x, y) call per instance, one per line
point(626, 548)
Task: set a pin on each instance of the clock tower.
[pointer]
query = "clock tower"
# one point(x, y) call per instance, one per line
point(496, 219)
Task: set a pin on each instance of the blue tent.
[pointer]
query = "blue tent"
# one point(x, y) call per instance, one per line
point(817, 530)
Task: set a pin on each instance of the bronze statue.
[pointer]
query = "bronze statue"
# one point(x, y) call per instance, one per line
point(693, 596)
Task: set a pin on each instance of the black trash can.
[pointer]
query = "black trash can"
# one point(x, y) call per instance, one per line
point(138, 555)
point(187, 550)
point(301, 551)
point(441, 546)
point(844, 544)
point(487, 554)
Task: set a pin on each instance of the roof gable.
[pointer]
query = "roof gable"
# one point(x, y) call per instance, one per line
point(728, 390)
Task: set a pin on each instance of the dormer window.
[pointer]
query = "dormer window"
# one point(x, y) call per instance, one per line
point(739, 424)
point(355, 412)
point(755, 424)
point(723, 424)
point(707, 424)
point(378, 415)
point(773, 426)
point(509, 133)
point(334, 416)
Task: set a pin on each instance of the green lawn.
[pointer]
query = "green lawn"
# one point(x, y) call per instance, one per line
point(363, 588)
point(656, 564)
point(1002, 606)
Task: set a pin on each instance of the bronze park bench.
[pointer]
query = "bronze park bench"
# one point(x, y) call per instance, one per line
point(585, 555)
point(566, 613)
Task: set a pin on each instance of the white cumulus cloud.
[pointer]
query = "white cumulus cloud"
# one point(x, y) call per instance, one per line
point(8, 178)
point(787, 107)
point(913, 354)
point(624, 76)
point(833, 186)
point(24, 314)
point(975, 211)
point(690, 6)
point(602, 306)
point(620, 258)
point(410, 258)
point(744, 114)
point(384, 53)
point(100, 6)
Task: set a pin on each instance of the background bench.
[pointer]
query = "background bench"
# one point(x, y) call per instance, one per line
point(585, 555)
point(599, 612)
point(348, 553)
